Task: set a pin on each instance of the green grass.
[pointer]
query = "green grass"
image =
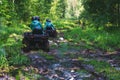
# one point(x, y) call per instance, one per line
point(20, 73)
point(101, 39)
point(3, 61)
point(11, 37)
point(102, 66)
point(10, 47)
point(64, 24)
point(47, 56)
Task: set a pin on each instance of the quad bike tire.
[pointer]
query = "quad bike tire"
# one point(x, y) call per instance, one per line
point(52, 34)
point(46, 46)
point(55, 34)
point(26, 47)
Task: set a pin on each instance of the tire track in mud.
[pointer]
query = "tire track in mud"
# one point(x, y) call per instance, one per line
point(62, 67)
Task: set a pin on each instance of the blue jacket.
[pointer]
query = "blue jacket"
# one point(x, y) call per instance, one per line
point(50, 25)
point(35, 25)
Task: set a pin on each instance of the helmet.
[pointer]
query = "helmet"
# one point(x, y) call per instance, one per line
point(36, 18)
point(48, 20)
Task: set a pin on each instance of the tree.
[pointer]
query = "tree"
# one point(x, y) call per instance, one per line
point(58, 8)
point(5, 12)
point(101, 13)
point(61, 8)
point(22, 9)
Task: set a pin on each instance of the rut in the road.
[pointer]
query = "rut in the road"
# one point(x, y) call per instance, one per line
point(62, 68)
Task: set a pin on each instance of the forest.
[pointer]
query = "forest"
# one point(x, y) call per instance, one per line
point(87, 46)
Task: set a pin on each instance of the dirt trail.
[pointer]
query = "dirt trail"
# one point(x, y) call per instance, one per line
point(62, 63)
point(62, 66)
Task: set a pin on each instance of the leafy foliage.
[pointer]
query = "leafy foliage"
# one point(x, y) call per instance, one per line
point(3, 60)
point(102, 12)
point(100, 18)
point(10, 49)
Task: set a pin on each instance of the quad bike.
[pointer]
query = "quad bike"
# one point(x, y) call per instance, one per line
point(35, 41)
point(51, 33)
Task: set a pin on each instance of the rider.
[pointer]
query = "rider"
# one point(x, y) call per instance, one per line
point(36, 26)
point(49, 25)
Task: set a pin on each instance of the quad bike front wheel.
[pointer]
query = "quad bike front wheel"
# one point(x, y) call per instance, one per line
point(26, 45)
